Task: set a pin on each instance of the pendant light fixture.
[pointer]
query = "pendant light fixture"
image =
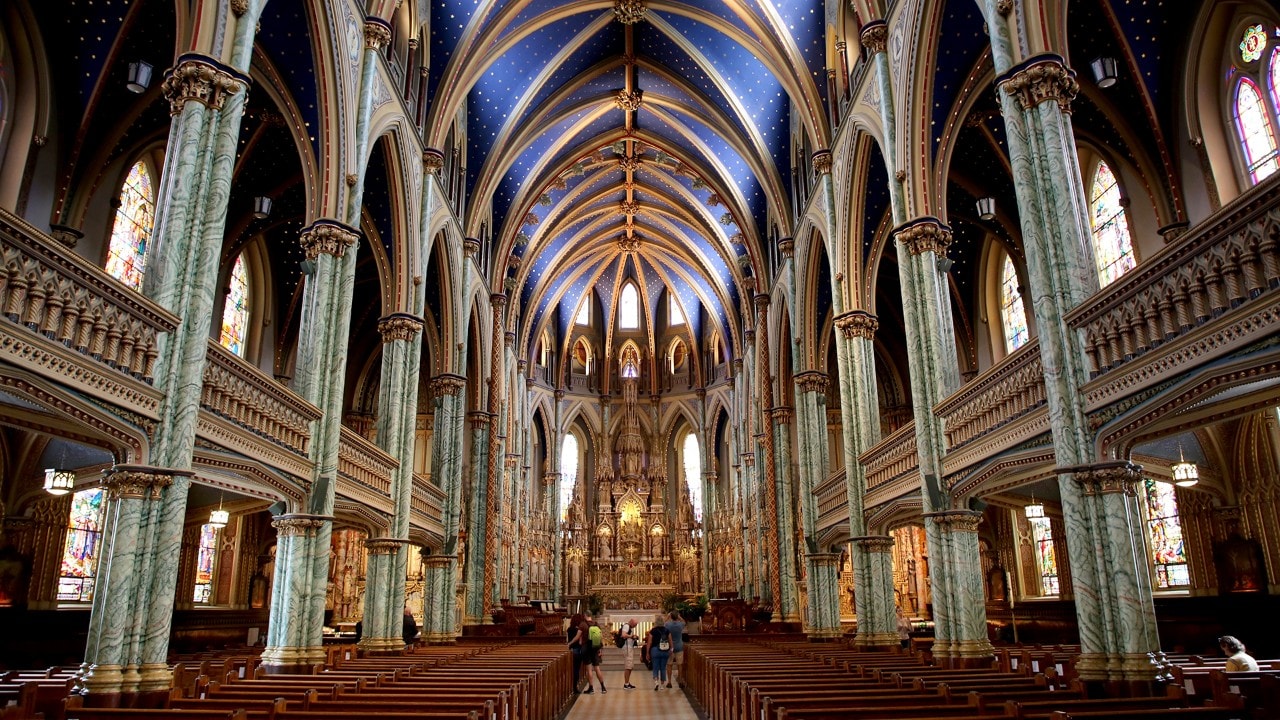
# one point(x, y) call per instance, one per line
point(1185, 474)
point(218, 518)
point(59, 480)
point(1035, 510)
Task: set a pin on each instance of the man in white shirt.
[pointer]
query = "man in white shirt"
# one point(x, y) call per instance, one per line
point(628, 652)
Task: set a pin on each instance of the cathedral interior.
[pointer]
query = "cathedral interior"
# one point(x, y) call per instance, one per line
point(830, 313)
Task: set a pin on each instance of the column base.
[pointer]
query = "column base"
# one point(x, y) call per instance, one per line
point(965, 654)
point(101, 681)
point(825, 634)
point(155, 677)
point(381, 646)
point(877, 641)
point(284, 660)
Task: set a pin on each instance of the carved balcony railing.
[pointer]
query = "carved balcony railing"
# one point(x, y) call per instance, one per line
point(893, 457)
point(67, 319)
point(248, 398)
point(832, 496)
point(1003, 394)
point(427, 504)
point(1227, 265)
point(364, 471)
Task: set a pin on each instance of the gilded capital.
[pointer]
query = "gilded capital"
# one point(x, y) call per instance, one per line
point(138, 482)
point(811, 381)
point(327, 237)
point(479, 419)
point(298, 525)
point(383, 546)
point(1040, 79)
point(202, 79)
point(822, 162)
point(780, 415)
point(399, 326)
point(432, 161)
point(874, 36)
point(857, 324)
point(239, 7)
point(377, 34)
point(924, 235)
point(787, 247)
point(956, 520)
point(1106, 478)
point(447, 384)
point(874, 543)
point(470, 246)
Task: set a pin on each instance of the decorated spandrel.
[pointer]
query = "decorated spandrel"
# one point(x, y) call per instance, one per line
point(127, 253)
point(80, 553)
point(1257, 138)
point(1013, 312)
point(1112, 245)
point(1164, 533)
point(235, 312)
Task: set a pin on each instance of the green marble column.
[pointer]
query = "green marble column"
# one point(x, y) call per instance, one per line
point(812, 462)
point(874, 572)
point(383, 624)
point(962, 573)
point(300, 539)
point(780, 418)
point(477, 556)
point(824, 595)
point(557, 556)
point(494, 453)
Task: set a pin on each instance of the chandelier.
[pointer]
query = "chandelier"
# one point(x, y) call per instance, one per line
point(1185, 474)
point(1035, 509)
point(59, 482)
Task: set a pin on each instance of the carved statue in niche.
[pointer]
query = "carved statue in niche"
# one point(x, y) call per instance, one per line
point(1240, 564)
point(604, 551)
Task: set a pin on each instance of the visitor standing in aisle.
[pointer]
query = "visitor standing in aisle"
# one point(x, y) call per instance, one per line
point(658, 645)
point(675, 629)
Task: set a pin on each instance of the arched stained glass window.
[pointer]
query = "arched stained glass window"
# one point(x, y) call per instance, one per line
point(1046, 556)
point(1164, 533)
point(1273, 79)
point(1013, 313)
point(630, 365)
point(693, 474)
point(584, 312)
point(235, 313)
point(568, 473)
point(1112, 247)
point(1257, 138)
point(674, 313)
point(131, 230)
point(205, 560)
point(629, 308)
point(80, 553)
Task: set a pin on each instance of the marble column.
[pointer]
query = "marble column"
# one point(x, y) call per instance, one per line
point(873, 577)
point(812, 463)
point(125, 654)
point(493, 496)
point(750, 540)
point(824, 595)
point(382, 631)
point(781, 418)
point(440, 581)
point(772, 539)
point(302, 542)
point(477, 537)
point(446, 471)
point(962, 575)
point(553, 454)
point(1117, 641)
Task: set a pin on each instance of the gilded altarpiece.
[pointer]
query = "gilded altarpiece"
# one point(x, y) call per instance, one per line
point(346, 575)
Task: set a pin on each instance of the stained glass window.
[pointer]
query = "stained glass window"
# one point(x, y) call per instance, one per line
point(693, 474)
point(629, 308)
point(1046, 557)
point(568, 473)
point(584, 312)
point(1012, 312)
point(205, 560)
point(1257, 138)
point(1273, 79)
point(127, 254)
point(1253, 43)
point(1112, 247)
point(1164, 532)
point(630, 362)
point(235, 313)
point(80, 554)
point(673, 310)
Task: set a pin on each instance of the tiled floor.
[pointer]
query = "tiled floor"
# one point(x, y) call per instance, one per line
point(639, 704)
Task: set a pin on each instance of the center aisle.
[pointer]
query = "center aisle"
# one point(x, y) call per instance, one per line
point(643, 703)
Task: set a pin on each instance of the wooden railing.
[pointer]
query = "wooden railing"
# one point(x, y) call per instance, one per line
point(1002, 394)
point(1229, 261)
point(237, 391)
point(832, 496)
point(893, 457)
point(51, 291)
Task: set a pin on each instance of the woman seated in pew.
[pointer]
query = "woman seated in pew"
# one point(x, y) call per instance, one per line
point(1237, 659)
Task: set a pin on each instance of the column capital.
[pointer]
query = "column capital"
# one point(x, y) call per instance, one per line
point(384, 545)
point(299, 524)
point(1040, 79)
point(1106, 478)
point(139, 481)
point(510, 338)
point(479, 419)
point(203, 79)
point(749, 337)
point(447, 384)
point(956, 520)
point(400, 326)
point(762, 301)
point(377, 33)
point(821, 559)
point(781, 415)
point(924, 235)
point(559, 393)
point(787, 247)
point(874, 543)
point(700, 393)
point(470, 246)
point(327, 237)
point(498, 300)
point(822, 162)
point(437, 562)
point(811, 381)
point(432, 161)
point(857, 323)
point(748, 459)
point(604, 401)
point(874, 36)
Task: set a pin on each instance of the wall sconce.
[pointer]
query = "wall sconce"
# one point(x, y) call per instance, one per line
point(1034, 510)
point(1104, 71)
point(139, 76)
point(1185, 474)
point(986, 208)
point(59, 482)
point(261, 207)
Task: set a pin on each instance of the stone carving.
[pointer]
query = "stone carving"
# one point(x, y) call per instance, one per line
point(202, 80)
point(874, 37)
point(432, 161)
point(1042, 79)
point(629, 100)
point(811, 381)
point(822, 162)
point(927, 235)
point(1107, 478)
point(628, 207)
point(787, 247)
point(957, 520)
point(327, 238)
point(629, 12)
point(298, 525)
point(857, 324)
point(399, 326)
point(139, 482)
point(377, 34)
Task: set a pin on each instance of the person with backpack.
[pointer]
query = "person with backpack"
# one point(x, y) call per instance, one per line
point(675, 629)
point(626, 640)
point(580, 646)
point(595, 648)
point(658, 645)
